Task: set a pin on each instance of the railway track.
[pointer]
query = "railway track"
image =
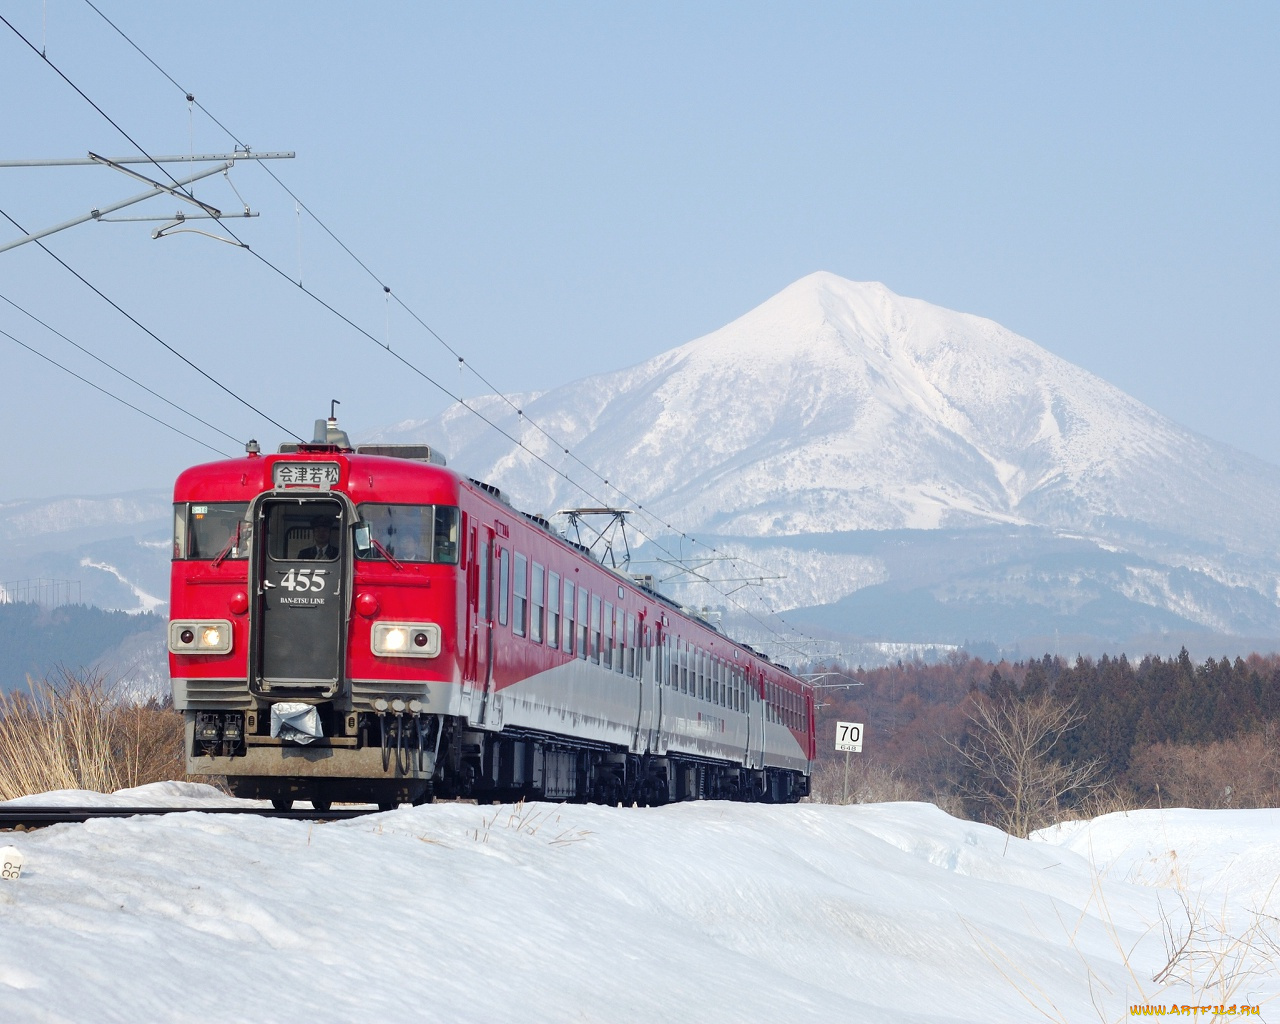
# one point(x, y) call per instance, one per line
point(25, 818)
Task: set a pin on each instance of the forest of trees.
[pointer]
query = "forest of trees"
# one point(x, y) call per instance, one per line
point(1113, 734)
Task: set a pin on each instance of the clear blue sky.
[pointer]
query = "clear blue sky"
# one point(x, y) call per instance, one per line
point(562, 189)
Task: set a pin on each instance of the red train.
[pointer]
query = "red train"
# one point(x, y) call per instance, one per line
point(365, 624)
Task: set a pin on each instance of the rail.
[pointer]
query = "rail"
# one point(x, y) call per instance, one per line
point(25, 818)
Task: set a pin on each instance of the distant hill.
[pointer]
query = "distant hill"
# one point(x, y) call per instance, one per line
point(37, 642)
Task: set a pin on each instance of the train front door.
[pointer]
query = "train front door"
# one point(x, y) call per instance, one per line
point(300, 595)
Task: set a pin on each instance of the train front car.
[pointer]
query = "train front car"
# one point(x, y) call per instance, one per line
point(314, 601)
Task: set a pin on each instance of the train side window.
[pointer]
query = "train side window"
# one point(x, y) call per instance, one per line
point(619, 631)
point(606, 647)
point(486, 612)
point(595, 628)
point(584, 622)
point(632, 667)
point(567, 640)
point(700, 661)
point(445, 547)
point(682, 649)
point(180, 531)
point(520, 597)
point(504, 584)
point(553, 609)
point(537, 599)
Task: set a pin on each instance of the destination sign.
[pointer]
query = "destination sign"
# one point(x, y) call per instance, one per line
point(304, 474)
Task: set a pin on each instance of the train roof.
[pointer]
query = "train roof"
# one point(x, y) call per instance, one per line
point(365, 477)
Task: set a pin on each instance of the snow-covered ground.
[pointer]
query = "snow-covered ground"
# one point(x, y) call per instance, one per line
point(695, 912)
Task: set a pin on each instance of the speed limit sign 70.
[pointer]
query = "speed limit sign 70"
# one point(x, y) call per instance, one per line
point(849, 736)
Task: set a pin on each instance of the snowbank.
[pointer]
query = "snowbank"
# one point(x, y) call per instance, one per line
point(708, 912)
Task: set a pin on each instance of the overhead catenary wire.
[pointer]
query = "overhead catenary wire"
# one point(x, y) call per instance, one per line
point(113, 396)
point(116, 369)
point(189, 97)
point(152, 334)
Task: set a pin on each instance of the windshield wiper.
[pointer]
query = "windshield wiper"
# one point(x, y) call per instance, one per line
point(232, 544)
point(385, 553)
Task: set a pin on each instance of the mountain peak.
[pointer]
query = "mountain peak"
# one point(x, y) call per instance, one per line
point(838, 405)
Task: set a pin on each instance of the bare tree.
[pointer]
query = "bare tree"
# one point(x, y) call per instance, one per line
point(1013, 774)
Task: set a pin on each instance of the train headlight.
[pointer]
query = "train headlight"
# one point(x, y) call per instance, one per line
point(406, 639)
point(210, 636)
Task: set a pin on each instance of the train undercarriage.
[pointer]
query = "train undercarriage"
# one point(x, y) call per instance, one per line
point(403, 759)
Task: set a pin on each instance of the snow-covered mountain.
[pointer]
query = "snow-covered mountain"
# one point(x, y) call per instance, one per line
point(890, 472)
point(838, 409)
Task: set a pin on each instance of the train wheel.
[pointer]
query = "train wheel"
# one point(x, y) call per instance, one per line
point(388, 805)
point(322, 805)
point(282, 803)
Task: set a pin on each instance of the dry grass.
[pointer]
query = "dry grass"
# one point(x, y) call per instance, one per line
point(1240, 772)
point(75, 732)
point(869, 782)
point(529, 821)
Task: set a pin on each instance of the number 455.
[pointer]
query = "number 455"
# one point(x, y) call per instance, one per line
point(303, 579)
